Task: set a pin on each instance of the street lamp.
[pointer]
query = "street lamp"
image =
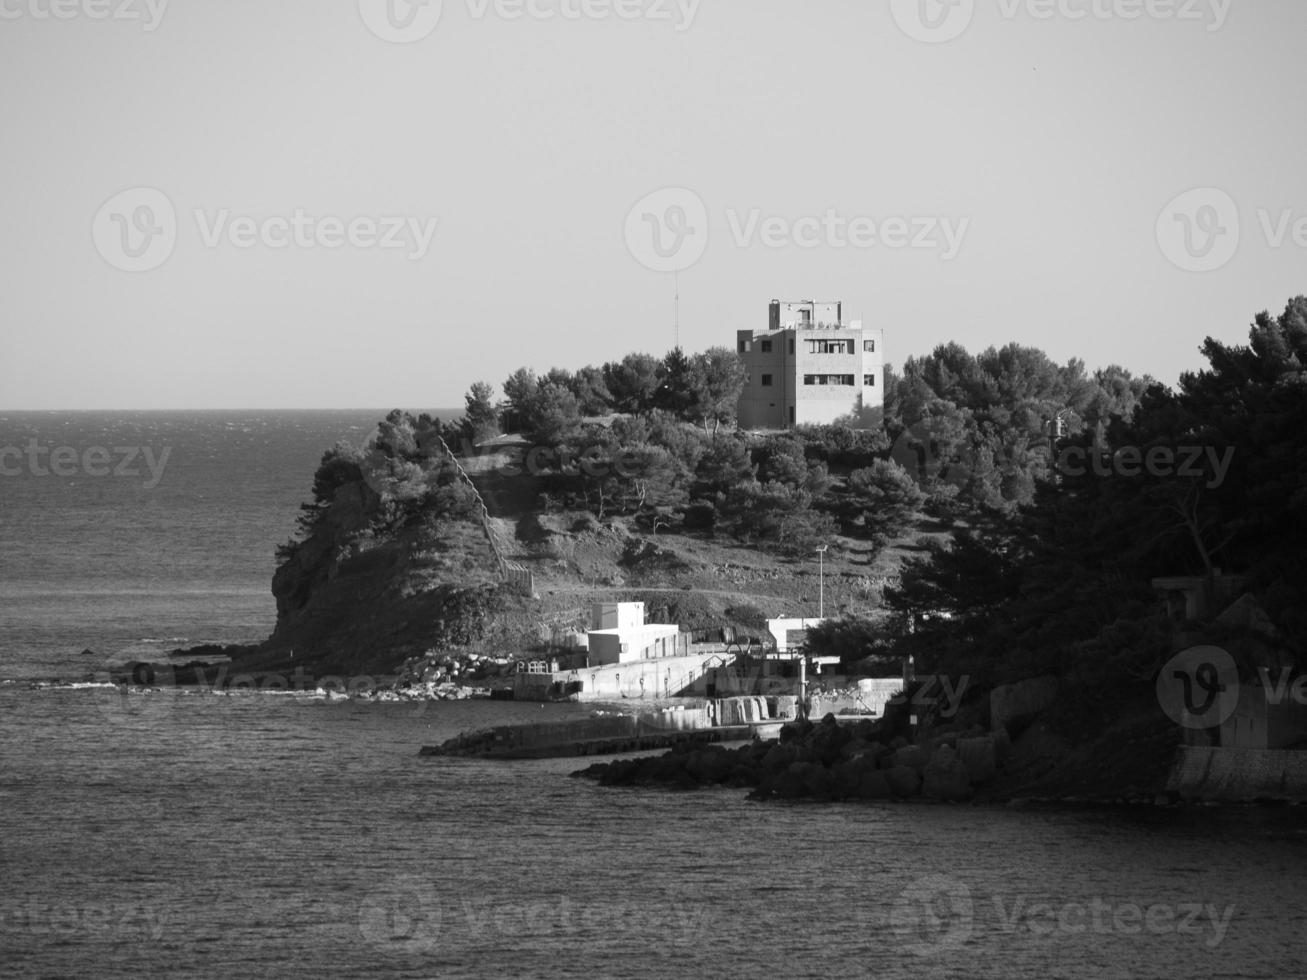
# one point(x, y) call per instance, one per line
point(821, 581)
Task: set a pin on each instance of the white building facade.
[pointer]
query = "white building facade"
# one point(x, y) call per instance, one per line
point(810, 367)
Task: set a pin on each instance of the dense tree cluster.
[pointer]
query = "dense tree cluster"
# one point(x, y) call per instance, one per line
point(1063, 584)
point(1048, 566)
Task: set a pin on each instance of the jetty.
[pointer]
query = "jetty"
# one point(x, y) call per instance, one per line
point(721, 720)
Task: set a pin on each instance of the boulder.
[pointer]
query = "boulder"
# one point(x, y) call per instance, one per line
point(858, 748)
point(817, 780)
point(912, 756)
point(710, 765)
point(779, 757)
point(1013, 703)
point(979, 758)
point(859, 779)
point(945, 778)
point(903, 781)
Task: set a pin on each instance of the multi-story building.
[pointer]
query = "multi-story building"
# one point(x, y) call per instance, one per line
point(809, 367)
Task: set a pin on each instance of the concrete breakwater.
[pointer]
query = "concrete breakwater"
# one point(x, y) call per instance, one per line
point(719, 720)
point(1235, 775)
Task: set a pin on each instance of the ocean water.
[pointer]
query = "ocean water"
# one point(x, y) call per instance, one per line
point(194, 834)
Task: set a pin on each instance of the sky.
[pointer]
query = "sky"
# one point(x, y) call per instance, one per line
point(367, 203)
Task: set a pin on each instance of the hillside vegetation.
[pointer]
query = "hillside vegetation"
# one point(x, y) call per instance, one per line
point(951, 533)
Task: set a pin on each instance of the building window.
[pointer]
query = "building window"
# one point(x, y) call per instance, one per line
point(791, 415)
point(791, 345)
point(744, 346)
point(829, 379)
point(766, 346)
point(830, 347)
point(869, 381)
point(766, 380)
point(869, 346)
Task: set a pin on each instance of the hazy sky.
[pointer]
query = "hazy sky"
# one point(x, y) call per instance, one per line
point(1015, 182)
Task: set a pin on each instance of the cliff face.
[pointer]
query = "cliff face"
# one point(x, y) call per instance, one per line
point(369, 587)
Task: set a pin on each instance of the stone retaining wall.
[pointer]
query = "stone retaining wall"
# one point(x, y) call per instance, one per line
point(1239, 775)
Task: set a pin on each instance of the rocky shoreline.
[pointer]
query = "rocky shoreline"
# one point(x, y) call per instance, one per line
point(830, 761)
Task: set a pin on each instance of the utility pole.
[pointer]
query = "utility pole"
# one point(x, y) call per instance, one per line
point(1056, 429)
point(821, 581)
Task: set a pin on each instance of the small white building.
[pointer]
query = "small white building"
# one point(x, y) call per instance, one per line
point(620, 635)
point(789, 632)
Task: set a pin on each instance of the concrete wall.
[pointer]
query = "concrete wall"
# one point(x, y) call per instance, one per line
point(646, 680)
point(620, 646)
point(1239, 775)
point(867, 697)
point(616, 615)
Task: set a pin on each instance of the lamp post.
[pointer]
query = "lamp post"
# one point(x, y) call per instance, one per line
point(821, 581)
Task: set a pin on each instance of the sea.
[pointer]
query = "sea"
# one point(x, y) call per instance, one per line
point(190, 833)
